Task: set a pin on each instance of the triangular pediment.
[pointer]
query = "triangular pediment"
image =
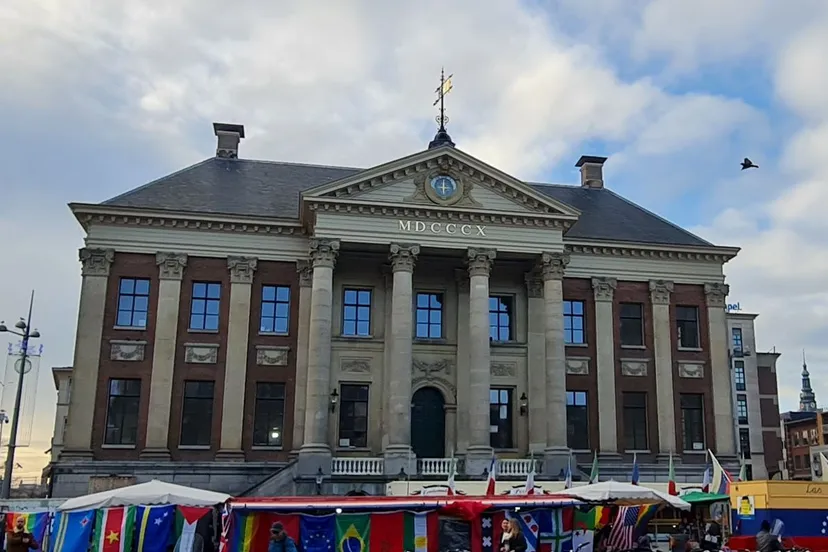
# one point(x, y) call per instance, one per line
point(442, 178)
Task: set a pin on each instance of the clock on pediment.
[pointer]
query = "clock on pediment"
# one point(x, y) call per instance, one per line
point(443, 189)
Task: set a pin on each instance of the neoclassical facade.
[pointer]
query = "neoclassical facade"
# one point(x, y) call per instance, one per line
point(241, 316)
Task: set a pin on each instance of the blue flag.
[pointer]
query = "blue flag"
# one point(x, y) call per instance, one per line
point(318, 533)
point(153, 527)
point(71, 531)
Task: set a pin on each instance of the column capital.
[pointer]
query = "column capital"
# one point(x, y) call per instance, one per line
point(323, 252)
point(716, 294)
point(170, 265)
point(660, 291)
point(553, 265)
point(242, 269)
point(534, 284)
point(95, 262)
point(480, 261)
point(403, 256)
point(604, 288)
point(305, 271)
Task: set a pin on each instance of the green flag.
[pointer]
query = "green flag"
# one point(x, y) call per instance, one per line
point(353, 532)
point(593, 475)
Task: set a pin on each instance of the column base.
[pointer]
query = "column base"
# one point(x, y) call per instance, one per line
point(399, 460)
point(314, 459)
point(230, 455)
point(76, 455)
point(478, 460)
point(155, 453)
point(555, 461)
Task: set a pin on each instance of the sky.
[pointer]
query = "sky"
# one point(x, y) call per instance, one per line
point(101, 97)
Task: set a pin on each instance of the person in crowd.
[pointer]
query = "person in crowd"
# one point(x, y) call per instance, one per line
point(516, 541)
point(505, 533)
point(679, 541)
point(279, 540)
point(712, 539)
point(19, 540)
point(765, 540)
point(644, 544)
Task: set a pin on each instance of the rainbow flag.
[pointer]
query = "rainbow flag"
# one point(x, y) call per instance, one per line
point(36, 523)
point(250, 531)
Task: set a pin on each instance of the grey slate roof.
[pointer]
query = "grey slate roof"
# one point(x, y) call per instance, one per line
point(272, 189)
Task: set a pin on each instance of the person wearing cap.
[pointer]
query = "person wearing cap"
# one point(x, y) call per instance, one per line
point(279, 540)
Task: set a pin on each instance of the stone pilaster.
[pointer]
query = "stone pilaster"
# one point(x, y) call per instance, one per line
point(398, 452)
point(720, 368)
point(479, 452)
point(463, 374)
point(305, 272)
point(660, 292)
point(170, 272)
point(604, 289)
point(95, 270)
point(242, 270)
point(536, 359)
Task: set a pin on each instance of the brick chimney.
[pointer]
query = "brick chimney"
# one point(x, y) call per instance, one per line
point(592, 171)
point(229, 137)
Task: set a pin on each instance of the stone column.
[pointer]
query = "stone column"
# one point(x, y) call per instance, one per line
point(78, 436)
point(604, 289)
point(536, 363)
point(479, 453)
point(461, 445)
point(170, 272)
point(316, 452)
point(398, 452)
point(556, 454)
point(720, 369)
point(300, 387)
point(241, 270)
point(660, 291)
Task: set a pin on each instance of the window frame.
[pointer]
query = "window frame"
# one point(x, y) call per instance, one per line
point(640, 320)
point(739, 374)
point(133, 295)
point(276, 302)
point(741, 401)
point(357, 318)
point(569, 322)
point(737, 343)
point(208, 300)
point(583, 410)
point(683, 323)
point(509, 303)
point(130, 410)
point(351, 428)
point(507, 423)
point(744, 442)
point(701, 427)
point(628, 427)
point(200, 417)
point(258, 400)
point(429, 310)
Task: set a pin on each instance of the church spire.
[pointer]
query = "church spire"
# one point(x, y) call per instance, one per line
point(442, 137)
point(807, 399)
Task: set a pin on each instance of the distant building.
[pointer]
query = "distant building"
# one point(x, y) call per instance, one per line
point(62, 376)
point(804, 431)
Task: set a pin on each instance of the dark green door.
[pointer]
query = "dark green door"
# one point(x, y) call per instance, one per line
point(428, 423)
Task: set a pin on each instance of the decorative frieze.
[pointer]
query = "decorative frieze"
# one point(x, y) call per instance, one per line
point(429, 368)
point(604, 288)
point(305, 271)
point(634, 367)
point(272, 355)
point(127, 350)
point(201, 353)
point(692, 370)
point(403, 256)
point(504, 369)
point(716, 294)
point(170, 265)
point(553, 265)
point(323, 252)
point(480, 261)
point(242, 269)
point(95, 262)
point(355, 365)
point(660, 291)
point(577, 366)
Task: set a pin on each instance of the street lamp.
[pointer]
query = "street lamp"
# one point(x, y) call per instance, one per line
point(26, 332)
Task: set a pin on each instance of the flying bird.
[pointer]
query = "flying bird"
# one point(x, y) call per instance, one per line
point(748, 164)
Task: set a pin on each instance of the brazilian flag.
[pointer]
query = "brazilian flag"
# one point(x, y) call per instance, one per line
point(353, 532)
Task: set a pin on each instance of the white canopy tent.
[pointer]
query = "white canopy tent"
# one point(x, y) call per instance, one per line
point(622, 493)
point(152, 492)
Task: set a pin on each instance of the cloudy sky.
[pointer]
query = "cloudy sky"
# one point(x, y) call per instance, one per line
point(101, 97)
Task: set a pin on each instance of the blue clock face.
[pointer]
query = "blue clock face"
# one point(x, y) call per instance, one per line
point(444, 186)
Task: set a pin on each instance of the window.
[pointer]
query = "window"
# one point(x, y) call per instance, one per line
point(356, 313)
point(122, 412)
point(133, 303)
point(429, 316)
point(739, 374)
point(500, 418)
point(353, 416)
point(737, 341)
point(692, 422)
point(573, 322)
point(687, 324)
point(796, 439)
point(749, 472)
point(275, 310)
point(500, 318)
point(632, 324)
point(635, 421)
point(741, 409)
point(744, 442)
point(269, 415)
point(204, 310)
point(197, 414)
point(577, 420)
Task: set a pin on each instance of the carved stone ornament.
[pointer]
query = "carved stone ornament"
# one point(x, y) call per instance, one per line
point(127, 351)
point(242, 269)
point(95, 262)
point(355, 365)
point(553, 265)
point(403, 256)
point(604, 288)
point(425, 193)
point(660, 291)
point(201, 353)
point(170, 265)
point(272, 355)
point(634, 368)
point(693, 370)
point(429, 368)
point(577, 366)
point(504, 369)
point(305, 271)
point(324, 252)
point(716, 294)
point(480, 261)
point(534, 284)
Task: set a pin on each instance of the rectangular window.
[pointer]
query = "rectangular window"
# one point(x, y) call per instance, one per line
point(356, 313)
point(197, 414)
point(631, 317)
point(744, 442)
point(687, 325)
point(204, 309)
point(500, 418)
point(796, 439)
point(429, 316)
point(573, 312)
point(353, 416)
point(500, 318)
point(741, 409)
point(133, 303)
point(737, 342)
point(122, 412)
point(739, 374)
point(692, 422)
point(635, 421)
point(275, 310)
point(269, 415)
point(577, 420)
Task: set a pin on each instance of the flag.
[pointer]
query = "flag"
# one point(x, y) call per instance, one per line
point(529, 488)
point(318, 533)
point(421, 533)
point(823, 464)
point(743, 471)
point(555, 529)
point(671, 478)
point(251, 530)
point(36, 523)
point(452, 474)
point(192, 525)
point(706, 480)
point(568, 479)
point(485, 533)
point(113, 529)
point(71, 531)
point(593, 519)
point(153, 527)
point(720, 482)
point(630, 522)
point(593, 474)
point(353, 532)
point(492, 480)
point(635, 473)
point(226, 529)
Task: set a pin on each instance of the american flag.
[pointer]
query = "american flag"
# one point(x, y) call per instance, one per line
point(622, 535)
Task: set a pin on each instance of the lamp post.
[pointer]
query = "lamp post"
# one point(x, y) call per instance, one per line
point(26, 332)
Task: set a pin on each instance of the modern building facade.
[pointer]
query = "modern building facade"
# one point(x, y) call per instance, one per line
point(308, 327)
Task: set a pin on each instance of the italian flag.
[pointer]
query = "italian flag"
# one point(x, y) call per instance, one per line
point(671, 479)
point(113, 529)
point(416, 532)
point(188, 520)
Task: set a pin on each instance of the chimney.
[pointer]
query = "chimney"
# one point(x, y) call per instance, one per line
point(592, 173)
point(229, 137)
